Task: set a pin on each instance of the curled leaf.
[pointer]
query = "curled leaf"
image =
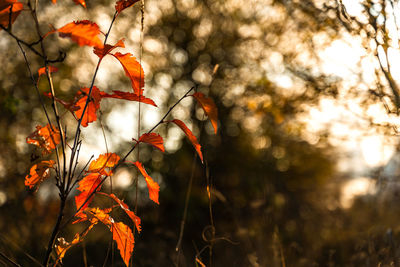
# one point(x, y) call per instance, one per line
point(38, 173)
point(209, 108)
point(191, 137)
point(122, 4)
point(153, 139)
point(9, 11)
point(153, 187)
point(45, 137)
point(133, 70)
point(129, 96)
point(82, 32)
point(135, 219)
point(103, 51)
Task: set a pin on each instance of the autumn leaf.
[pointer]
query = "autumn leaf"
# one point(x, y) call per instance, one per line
point(153, 139)
point(9, 8)
point(38, 173)
point(122, 4)
point(129, 96)
point(42, 70)
point(103, 51)
point(209, 108)
point(80, 2)
point(122, 234)
point(82, 32)
point(87, 186)
point(45, 137)
point(92, 107)
point(191, 137)
point(153, 187)
point(107, 160)
point(135, 219)
point(133, 70)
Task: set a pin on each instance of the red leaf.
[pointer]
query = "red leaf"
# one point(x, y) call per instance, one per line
point(133, 70)
point(153, 139)
point(82, 32)
point(209, 108)
point(38, 173)
point(45, 138)
point(191, 137)
point(42, 70)
point(135, 219)
point(102, 52)
point(122, 234)
point(7, 7)
point(122, 4)
point(80, 2)
point(129, 96)
point(153, 187)
point(107, 160)
point(87, 186)
point(93, 106)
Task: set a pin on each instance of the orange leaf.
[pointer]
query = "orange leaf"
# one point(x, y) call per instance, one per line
point(45, 138)
point(82, 32)
point(87, 186)
point(93, 106)
point(38, 173)
point(102, 52)
point(107, 160)
point(153, 139)
point(122, 4)
point(7, 8)
point(129, 96)
point(122, 234)
point(133, 70)
point(54, 1)
point(135, 219)
point(209, 108)
point(191, 137)
point(80, 2)
point(42, 70)
point(153, 187)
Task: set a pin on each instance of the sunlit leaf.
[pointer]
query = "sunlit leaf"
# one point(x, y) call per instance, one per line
point(153, 139)
point(122, 4)
point(80, 2)
point(209, 108)
point(135, 219)
point(45, 137)
point(87, 186)
point(91, 109)
point(82, 32)
point(133, 70)
point(107, 160)
point(38, 173)
point(7, 8)
point(191, 137)
point(103, 51)
point(153, 187)
point(129, 96)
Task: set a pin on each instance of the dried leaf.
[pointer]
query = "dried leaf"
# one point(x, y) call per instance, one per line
point(7, 8)
point(82, 32)
point(45, 137)
point(133, 70)
point(38, 173)
point(87, 186)
point(191, 137)
point(209, 108)
point(103, 51)
point(129, 96)
point(122, 4)
point(153, 187)
point(153, 139)
point(135, 219)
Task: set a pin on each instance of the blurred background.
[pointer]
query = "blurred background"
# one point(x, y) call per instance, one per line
point(304, 170)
